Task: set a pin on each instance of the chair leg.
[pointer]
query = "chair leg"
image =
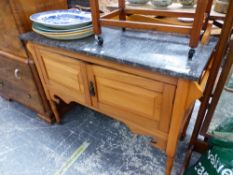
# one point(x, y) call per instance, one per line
point(191, 53)
point(94, 5)
point(99, 40)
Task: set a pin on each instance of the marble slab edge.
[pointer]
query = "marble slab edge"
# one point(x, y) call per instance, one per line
point(65, 45)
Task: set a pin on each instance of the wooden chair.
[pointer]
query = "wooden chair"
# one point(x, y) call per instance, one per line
point(214, 87)
point(199, 16)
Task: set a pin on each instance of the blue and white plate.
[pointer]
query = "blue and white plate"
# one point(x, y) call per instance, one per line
point(62, 19)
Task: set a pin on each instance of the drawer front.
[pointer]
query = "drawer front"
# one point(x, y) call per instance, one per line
point(17, 72)
point(28, 97)
point(143, 103)
point(16, 82)
point(63, 76)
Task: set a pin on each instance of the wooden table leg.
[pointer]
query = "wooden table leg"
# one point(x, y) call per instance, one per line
point(178, 114)
point(169, 165)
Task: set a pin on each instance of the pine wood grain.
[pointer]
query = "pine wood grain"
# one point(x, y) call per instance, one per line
point(148, 103)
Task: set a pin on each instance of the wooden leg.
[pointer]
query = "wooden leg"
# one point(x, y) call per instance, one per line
point(55, 111)
point(94, 4)
point(169, 165)
point(122, 15)
point(191, 53)
point(198, 22)
point(178, 114)
point(99, 40)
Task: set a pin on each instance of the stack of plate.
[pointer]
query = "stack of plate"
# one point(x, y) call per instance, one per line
point(63, 24)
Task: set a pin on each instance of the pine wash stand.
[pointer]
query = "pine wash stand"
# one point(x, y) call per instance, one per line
point(138, 78)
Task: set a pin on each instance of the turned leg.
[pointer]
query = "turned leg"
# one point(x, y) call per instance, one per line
point(169, 165)
point(55, 111)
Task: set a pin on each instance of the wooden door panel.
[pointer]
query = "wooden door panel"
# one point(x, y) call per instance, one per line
point(144, 102)
point(128, 78)
point(64, 76)
point(64, 73)
point(129, 98)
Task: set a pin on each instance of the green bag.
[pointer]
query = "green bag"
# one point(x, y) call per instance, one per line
point(218, 160)
point(224, 131)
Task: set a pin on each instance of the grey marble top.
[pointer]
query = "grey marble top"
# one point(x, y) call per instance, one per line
point(155, 51)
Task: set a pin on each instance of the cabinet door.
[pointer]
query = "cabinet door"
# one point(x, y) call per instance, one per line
point(64, 77)
point(143, 104)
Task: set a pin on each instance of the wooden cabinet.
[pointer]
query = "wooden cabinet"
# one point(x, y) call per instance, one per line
point(148, 103)
point(19, 79)
point(144, 104)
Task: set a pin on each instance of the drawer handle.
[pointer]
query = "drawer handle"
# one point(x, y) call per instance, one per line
point(17, 74)
point(91, 89)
